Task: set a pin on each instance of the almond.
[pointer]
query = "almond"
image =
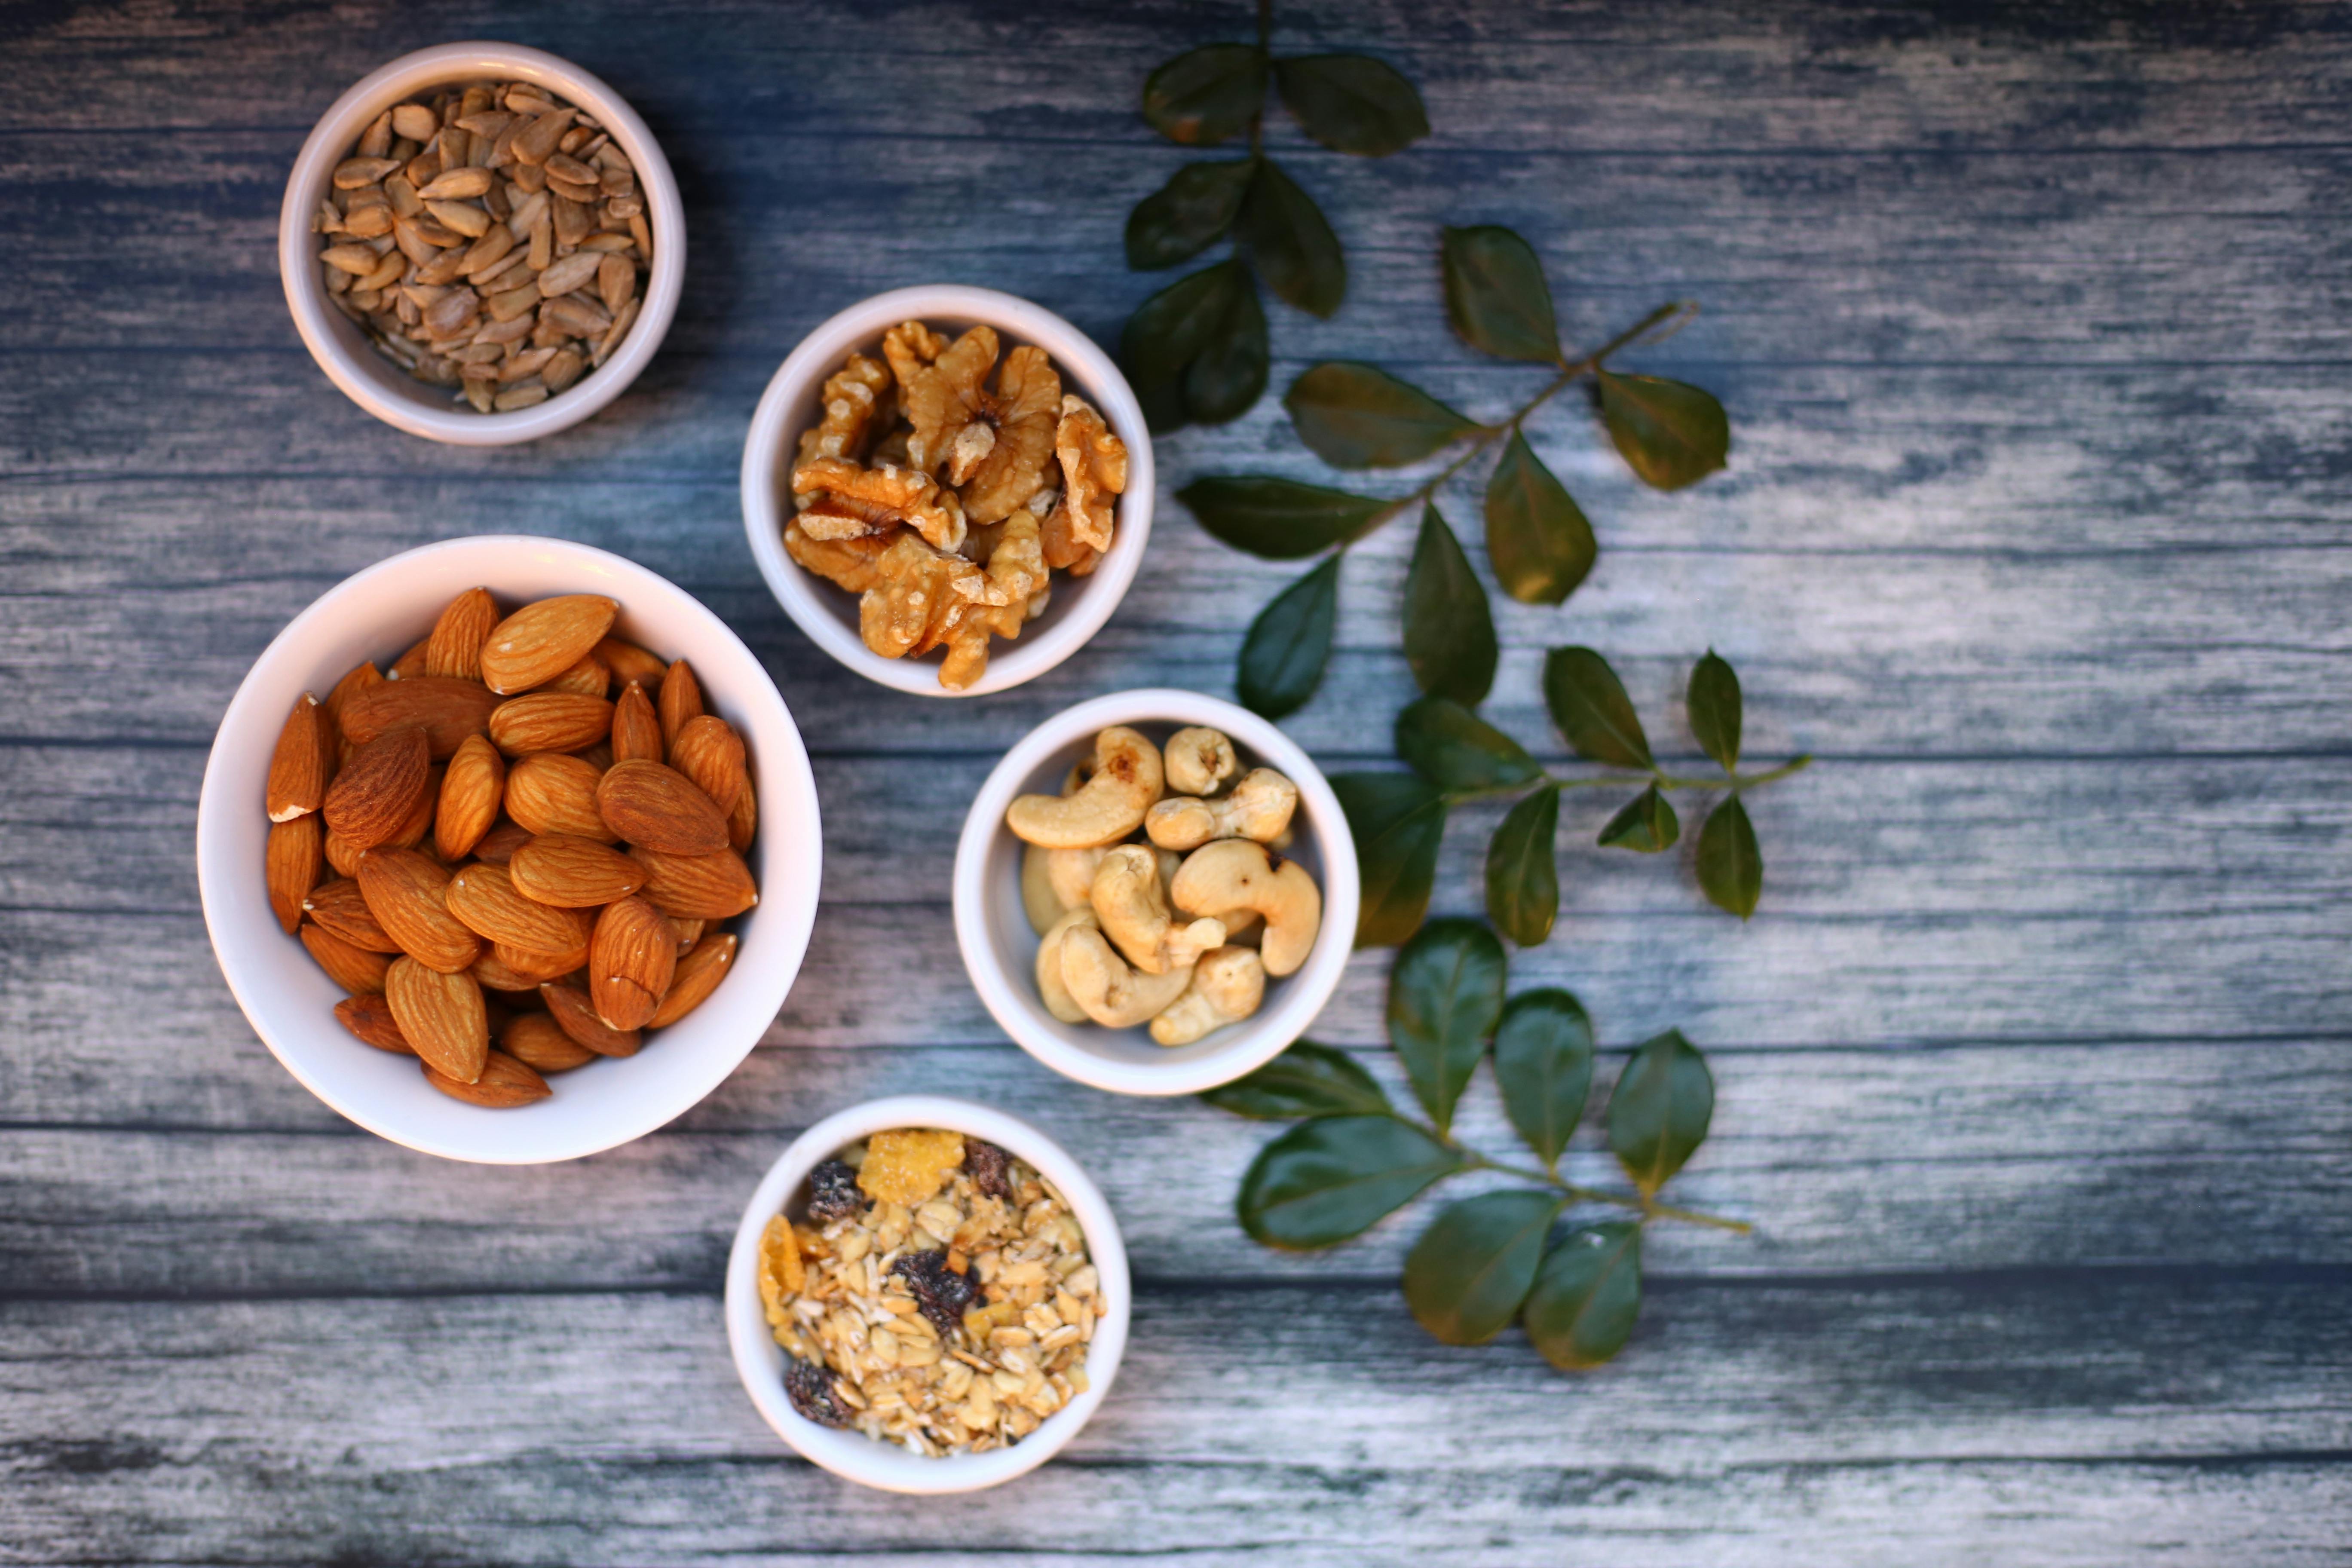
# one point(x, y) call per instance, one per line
point(630, 961)
point(576, 1014)
point(411, 833)
point(365, 678)
point(369, 1017)
point(541, 640)
point(409, 665)
point(291, 866)
point(348, 966)
point(627, 661)
point(550, 721)
point(455, 648)
point(341, 908)
point(342, 854)
point(598, 756)
point(699, 974)
point(659, 809)
point(495, 973)
point(709, 751)
point(447, 709)
point(744, 822)
point(538, 1042)
point(697, 887)
point(573, 873)
point(541, 967)
point(407, 893)
point(441, 1016)
point(484, 899)
point(376, 794)
point(300, 766)
point(501, 1084)
point(550, 793)
point(682, 698)
point(688, 933)
point(637, 727)
point(586, 678)
point(471, 793)
point(501, 842)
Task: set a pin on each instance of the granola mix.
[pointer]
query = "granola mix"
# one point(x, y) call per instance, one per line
point(936, 1294)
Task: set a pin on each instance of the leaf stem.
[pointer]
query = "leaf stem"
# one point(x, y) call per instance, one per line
point(1661, 778)
point(1649, 1207)
point(1266, 48)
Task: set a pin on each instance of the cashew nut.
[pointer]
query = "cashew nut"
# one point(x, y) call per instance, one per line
point(1199, 760)
point(1133, 909)
point(1072, 872)
point(1227, 986)
point(1050, 988)
point(1110, 992)
point(1037, 897)
point(1238, 874)
point(1124, 782)
point(1259, 807)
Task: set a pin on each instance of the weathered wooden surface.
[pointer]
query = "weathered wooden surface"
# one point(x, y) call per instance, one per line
point(2033, 326)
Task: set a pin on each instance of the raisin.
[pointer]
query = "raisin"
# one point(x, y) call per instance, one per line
point(833, 1192)
point(990, 1168)
point(810, 1388)
point(941, 1292)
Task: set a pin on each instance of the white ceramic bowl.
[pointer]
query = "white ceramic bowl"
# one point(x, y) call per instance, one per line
point(291, 1001)
point(342, 351)
point(827, 614)
point(759, 1361)
point(999, 948)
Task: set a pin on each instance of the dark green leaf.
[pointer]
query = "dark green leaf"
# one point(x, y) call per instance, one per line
point(1537, 536)
point(1714, 702)
point(1543, 1062)
point(1522, 871)
point(1452, 748)
point(1352, 104)
point(1326, 1180)
point(1730, 865)
point(1230, 374)
point(1308, 1080)
point(1288, 644)
point(1585, 1300)
point(1281, 520)
point(1672, 435)
point(1293, 242)
point(1445, 996)
point(1205, 95)
point(1197, 350)
point(1659, 1111)
point(1449, 632)
point(1360, 416)
point(1589, 705)
point(1396, 820)
point(1185, 216)
point(1496, 295)
point(1647, 823)
point(1466, 1276)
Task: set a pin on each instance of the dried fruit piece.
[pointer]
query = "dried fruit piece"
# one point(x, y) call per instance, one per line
point(1094, 472)
point(500, 1084)
point(447, 709)
point(576, 1014)
point(941, 1292)
point(377, 792)
point(485, 902)
point(637, 727)
point(341, 908)
point(908, 1164)
point(631, 960)
point(407, 894)
point(550, 793)
point(990, 1168)
point(573, 873)
point(847, 502)
point(291, 866)
point(442, 1016)
point(472, 789)
point(834, 1192)
point(810, 1388)
point(369, 1018)
point(455, 647)
point(349, 967)
point(699, 971)
point(542, 639)
point(710, 754)
point(550, 721)
point(537, 1042)
point(300, 766)
point(659, 809)
point(680, 699)
point(696, 887)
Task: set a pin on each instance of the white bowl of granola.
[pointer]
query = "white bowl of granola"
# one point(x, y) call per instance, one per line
point(924, 1360)
point(1078, 595)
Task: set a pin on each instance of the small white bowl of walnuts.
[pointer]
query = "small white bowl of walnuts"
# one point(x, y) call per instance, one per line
point(954, 472)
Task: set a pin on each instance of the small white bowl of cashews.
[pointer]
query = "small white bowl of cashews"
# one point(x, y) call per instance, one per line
point(1155, 892)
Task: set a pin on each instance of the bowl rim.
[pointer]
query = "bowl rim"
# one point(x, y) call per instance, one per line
point(322, 327)
point(806, 597)
point(851, 1454)
point(1245, 1046)
point(244, 969)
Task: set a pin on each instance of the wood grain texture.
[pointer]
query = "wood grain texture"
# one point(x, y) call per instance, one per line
point(2038, 531)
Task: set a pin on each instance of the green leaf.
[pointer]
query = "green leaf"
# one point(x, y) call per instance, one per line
point(1449, 632)
point(1543, 1062)
point(1445, 993)
point(1647, 823)
point(1293, 242)
point(1452, 748)
point(1185, 216)
point(1659, 1111)
point(1326, 1180)
point(1359, 417)
point(1289, 643)
point(1308, 1080)
point(1584, 1306)
point(1522, 872)
point(1714, 702)
point(1197, 349)
point(1730, 865)
point(1537, 536)
point(1352, 104)
point(1672, 433)
point(1589, 705)
point(1229, 374)
point(1205, 95)
point(1466, 1276)
point(1281, 520)
point(1396, 820)
point(1496, 295)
